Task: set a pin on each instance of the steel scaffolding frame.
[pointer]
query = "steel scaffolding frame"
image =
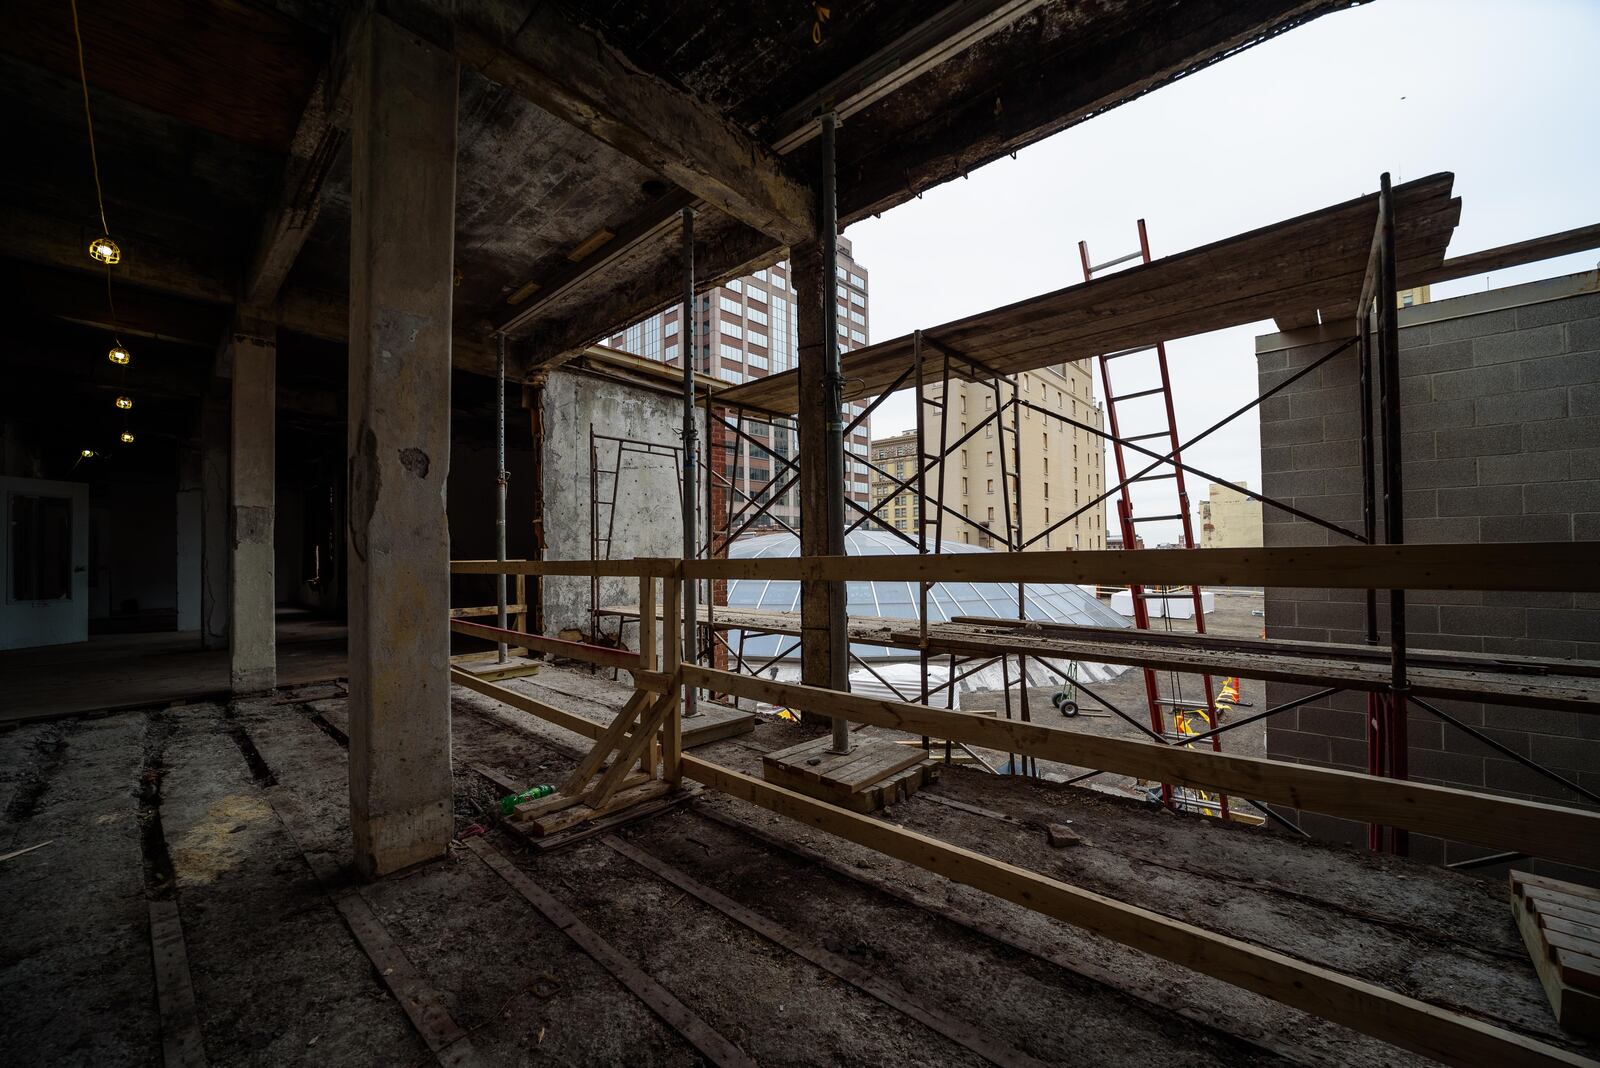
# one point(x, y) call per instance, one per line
point(1376, 342)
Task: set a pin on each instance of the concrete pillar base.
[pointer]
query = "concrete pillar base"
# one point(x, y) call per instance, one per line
point(393, 841)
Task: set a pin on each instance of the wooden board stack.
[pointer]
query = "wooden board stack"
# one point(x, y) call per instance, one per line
point(876, 772)
point(1560, 923)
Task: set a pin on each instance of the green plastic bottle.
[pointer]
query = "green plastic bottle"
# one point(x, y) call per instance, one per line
point(508, 805)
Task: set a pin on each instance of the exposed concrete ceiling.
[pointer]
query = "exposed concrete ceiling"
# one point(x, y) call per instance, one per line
point(212, 115)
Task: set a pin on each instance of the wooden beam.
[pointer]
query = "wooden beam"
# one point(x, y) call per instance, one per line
point(1057, 80)
point(1527, 826)
point(659, 566)
point(1365, 1007)
point(549, 713)
point(640, 746)
point(602, 655)
point(1566, 567)
point(320, 139)
point(1581, 239)
point(941, 38)
point(609, 740)
point(579, 78)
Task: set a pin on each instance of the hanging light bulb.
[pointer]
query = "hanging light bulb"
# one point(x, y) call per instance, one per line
point(87, 454)
point(127, 437)
point(118, 354)
point(104, 250)
point(124, 403)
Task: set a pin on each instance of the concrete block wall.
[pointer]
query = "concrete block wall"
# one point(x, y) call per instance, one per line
point(1500, 396)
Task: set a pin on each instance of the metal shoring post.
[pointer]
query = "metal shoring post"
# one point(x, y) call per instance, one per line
point(1393, 511)
point(594, 539)
point(923, 585)
point(1369, 521)
point(832, 396)
point(691, 462)
point(1015, 545)
point(938, 514)
point(500, 476)
point(1005, 506)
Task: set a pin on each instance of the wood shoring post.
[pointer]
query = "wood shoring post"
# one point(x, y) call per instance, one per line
point(672, 730)
point(647, 664)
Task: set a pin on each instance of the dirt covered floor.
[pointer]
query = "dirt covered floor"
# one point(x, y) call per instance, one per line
point(792, 947)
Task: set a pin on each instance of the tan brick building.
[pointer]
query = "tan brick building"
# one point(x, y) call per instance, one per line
point(1229, 519)
point(1062, 466)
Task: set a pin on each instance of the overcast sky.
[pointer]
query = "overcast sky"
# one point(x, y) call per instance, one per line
point(1500, 93)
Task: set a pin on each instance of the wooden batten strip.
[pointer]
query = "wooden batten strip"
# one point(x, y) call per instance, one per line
point(182, 1044)
point(1526, 826)
point(644, 565)
point(969, 1035)
point(1566, 567)
point(1384, 1014)
point(602, 655)
point(715, 1048)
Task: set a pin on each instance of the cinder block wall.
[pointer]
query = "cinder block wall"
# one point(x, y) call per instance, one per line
point(1500, 396)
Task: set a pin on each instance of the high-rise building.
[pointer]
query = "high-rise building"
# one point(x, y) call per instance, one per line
point(748, 329)
point(1062, 467)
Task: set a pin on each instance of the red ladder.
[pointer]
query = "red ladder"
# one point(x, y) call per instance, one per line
point(1129, 522)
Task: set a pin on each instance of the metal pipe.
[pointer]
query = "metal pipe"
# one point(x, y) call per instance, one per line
point(1393, 513)
point(501, 476)
point(691, 461)
point(832, 397)
point(919, 514)
point(1369, 526)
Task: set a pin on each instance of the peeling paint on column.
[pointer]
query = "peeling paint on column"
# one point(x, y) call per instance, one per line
point(366, 482)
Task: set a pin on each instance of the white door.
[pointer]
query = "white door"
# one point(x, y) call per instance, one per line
point(46, 557)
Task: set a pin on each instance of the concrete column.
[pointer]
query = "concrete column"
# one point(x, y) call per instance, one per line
point(252, 641)
point(805, 268)
point(188, 562)
point(403, 158)
point(216, 551)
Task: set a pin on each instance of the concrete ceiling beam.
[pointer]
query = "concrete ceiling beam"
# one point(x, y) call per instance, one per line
point(576, 76)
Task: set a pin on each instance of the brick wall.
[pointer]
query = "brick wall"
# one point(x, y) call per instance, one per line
point(1500, 419)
